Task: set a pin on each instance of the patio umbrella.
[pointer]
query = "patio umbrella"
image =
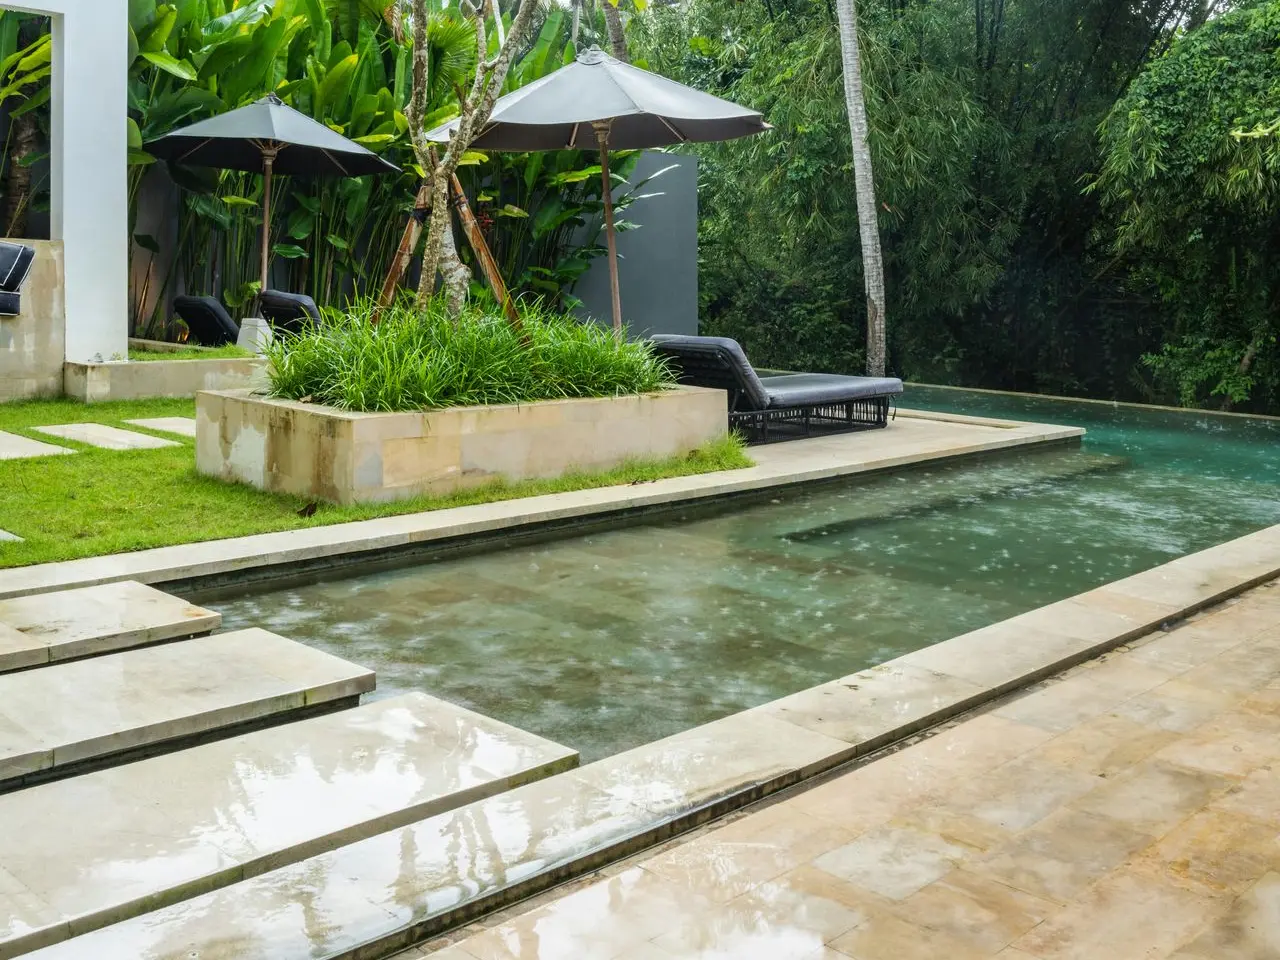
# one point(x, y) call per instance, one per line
point(268, 137)
point(623, 107)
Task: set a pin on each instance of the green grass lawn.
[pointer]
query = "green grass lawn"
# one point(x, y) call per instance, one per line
point(103, 501)
point(229, 351)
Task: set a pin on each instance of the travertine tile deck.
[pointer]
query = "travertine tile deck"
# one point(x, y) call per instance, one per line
point(64, 625)
point(914, 816)
point(911, 438)
point(105, 846)
point(1128, 810)
point(69, 713)
point(109, 438)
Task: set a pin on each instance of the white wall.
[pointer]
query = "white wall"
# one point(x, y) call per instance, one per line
point(88, 176)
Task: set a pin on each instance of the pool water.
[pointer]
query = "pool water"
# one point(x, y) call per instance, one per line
point(610, 640)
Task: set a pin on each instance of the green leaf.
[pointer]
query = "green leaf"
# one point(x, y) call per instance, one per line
point(338, 242)
point(234, 201)
point(511, 210)
point(157, 37)
point(289, 251)
point(147, 242)
point(139, 158)
point(134, 135)
point(375, 139)
point(170, 64)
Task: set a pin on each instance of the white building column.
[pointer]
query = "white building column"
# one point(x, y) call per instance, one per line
point(88, 169)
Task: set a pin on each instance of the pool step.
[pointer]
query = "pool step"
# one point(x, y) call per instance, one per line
point(82, 853)
point(69, 624)
point(56, 720)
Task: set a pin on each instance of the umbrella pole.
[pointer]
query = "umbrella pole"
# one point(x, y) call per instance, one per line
point(268, 163)
point(602, 137)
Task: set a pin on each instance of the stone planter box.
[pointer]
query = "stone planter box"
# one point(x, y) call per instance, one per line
point(32, 343)
point(315, 451)
point(137, 380)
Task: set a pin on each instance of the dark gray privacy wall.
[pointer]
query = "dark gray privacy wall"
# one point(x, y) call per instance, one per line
point(657, 263)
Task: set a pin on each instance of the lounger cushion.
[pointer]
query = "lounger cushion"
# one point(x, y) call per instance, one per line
point(715, 362)
point(10, 304)
point(207, 320)
point(288, 311)
point(816, 389)
point(15, 263)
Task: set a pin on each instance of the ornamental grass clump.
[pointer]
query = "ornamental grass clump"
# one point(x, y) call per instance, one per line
point(413, 360)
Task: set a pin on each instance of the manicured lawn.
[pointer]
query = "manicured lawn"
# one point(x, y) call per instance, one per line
point(102, 501)
point(229, 351)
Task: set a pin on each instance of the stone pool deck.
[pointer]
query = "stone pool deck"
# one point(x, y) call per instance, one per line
point(911, 438)
point(1128, 809)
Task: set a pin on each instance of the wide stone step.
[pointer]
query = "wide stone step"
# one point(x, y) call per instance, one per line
point(56, 720)
point(81, 853)
point(69, 624)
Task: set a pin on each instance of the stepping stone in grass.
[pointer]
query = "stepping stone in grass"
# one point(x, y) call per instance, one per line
point(109, 438)
point(183, 426)
point(14, 447)
point(7, 537)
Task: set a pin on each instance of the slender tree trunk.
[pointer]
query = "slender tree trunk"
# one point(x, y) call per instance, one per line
point(864, 186)
point(617, 33)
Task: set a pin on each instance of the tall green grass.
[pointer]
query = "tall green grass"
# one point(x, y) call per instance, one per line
point(414, 360)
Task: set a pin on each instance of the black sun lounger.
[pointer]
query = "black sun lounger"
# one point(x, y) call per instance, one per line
point(207, 320)
point(776, 408)
point(289, 312)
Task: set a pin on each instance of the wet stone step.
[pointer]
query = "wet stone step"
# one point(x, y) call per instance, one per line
point(69, 624)
point(78, 854)
point(55, 720)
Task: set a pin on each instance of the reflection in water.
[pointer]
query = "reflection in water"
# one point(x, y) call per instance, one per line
point(611, 640)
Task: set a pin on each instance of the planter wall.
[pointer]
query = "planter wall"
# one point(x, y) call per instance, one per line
point(32, 344)
point(94, 382)
point(314, 451)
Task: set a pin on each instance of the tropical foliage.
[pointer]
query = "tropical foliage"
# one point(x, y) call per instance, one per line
point(414, 359)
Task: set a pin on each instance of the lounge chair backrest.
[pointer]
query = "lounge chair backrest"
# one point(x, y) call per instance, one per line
point(15, 263)
point(207, 320)
point(288, 311)
point(714, 362)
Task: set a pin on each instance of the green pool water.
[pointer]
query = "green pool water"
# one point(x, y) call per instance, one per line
point(614, 639)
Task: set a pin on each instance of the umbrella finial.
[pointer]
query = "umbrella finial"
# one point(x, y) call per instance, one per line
point(593, 55)
point(272, 98)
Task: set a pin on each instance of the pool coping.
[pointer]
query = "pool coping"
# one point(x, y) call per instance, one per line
point(655, 792)
point(207, 563)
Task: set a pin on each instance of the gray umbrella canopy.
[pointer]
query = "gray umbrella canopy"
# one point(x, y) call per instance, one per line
point(268, 137)
point(602, 103)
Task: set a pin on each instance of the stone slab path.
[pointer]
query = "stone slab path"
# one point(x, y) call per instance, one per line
point(15, 447)
point(98, 848)
point(109, 438)
point(88, 621)
point(183, 426)
point(70, 713)
point(1128, 810)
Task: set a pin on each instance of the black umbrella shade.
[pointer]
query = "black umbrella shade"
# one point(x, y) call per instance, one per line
point(601, 103)
point(644, 110)
point(239, 139)
point(268, 137)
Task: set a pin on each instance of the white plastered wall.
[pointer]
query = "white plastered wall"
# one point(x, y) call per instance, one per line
point(88, 175)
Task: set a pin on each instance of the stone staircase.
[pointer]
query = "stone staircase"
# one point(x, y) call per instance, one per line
point(137, 774)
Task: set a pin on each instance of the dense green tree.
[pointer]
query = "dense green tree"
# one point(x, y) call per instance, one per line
point(1191, 180)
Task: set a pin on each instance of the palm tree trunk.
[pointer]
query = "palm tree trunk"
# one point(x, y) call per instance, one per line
point(864, 186)
point(617, 35)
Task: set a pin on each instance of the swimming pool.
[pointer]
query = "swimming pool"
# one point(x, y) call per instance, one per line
point(613, 639)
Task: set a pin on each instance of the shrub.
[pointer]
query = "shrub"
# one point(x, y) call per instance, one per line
point(415, 360)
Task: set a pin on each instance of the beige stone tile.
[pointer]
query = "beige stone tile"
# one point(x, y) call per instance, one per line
point(871, 708)
point(963, 829)
point(1234, 743)
point(1250, 930)
point(1000, 655)
point(1153, 796)
point(1082, 695)
point(1183, 649)
point(893, 861)
point(101, 435)
point(889, 785)
point(685, 771)
point(1216, 852)
point(1257, 796)
point(791, 916)
point(977, 909)
point(1022, 792)
point(1242, 669)
point(1157, 709)
point(886, 937)
point(726, 863)
point(181, 426)
point(1063, 854)
point(1126, 916)
point(1107, 745)
point(17, 650)
point(16, 447)
point(113, 616)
